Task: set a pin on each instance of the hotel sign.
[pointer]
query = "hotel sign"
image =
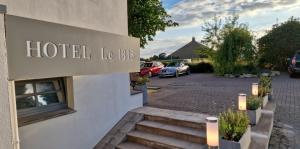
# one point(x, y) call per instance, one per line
point(38, 49)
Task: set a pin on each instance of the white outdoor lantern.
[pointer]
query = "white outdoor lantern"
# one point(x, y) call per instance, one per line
point(242, 102)
point(255, 89)
point(212, 131)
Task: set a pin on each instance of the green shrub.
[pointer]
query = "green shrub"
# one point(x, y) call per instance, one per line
point(142, 80)
point(237, 48)
point(165, 63)
point(265, 85)
point(236, 69)
point(279, 43)
point(245, 69)
point(201, 67)
point(265, 81)
point(262, 91)
point(253, 102)
point(233, 125)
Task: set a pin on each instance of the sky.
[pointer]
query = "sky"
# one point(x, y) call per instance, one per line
point(259, 15)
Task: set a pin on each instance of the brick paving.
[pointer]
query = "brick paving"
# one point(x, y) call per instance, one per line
point(206, 93)
point(286, 132)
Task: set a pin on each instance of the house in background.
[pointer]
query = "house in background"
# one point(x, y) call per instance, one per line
point(188, 51)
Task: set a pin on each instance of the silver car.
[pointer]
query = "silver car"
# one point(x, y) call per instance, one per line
point(174, 69)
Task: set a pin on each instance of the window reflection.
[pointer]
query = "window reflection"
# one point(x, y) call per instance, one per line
point(47, 86)
point(26, 102)
point(47, 99)
point(38, 93)
point(24, 88)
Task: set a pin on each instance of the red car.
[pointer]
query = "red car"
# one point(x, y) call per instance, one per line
point(151, 68)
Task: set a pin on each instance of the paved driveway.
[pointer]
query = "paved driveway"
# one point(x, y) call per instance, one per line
point(206, 93)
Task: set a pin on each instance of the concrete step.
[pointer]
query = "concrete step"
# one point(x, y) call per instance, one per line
point(173, 121)
point(264, 126)
point(261, 133)
point(131, 145)
point(161, 142)
point(172, 117)
point(178, 132)
point(270, 108)
point(259, 141)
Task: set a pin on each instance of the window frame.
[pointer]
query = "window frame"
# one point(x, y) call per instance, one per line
point(22, 113)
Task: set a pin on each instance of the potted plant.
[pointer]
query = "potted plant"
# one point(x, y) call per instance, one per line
point(140, 84)
point(266, 81)
point(234, 130)
point(265, 88)
point(254, 109)
point(263, 93)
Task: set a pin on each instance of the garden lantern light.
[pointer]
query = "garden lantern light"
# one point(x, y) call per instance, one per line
point(255, 89)
point(242, 102)
point(212, 131)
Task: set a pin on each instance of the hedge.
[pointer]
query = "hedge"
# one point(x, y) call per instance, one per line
point(201, 67)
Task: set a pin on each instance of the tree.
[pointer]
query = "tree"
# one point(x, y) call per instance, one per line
point(162, 56)
point(279, 43)
point(143, 59)
point(236, 50)
point(214, 29)
point(212, 37)
point(145, 18)
point(154, 58)
point(231, 45)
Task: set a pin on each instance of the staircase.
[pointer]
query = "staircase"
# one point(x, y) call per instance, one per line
point(166, 129)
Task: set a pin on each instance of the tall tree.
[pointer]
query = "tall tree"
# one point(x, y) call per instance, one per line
point(231, 44)
point(235, 50)
point(214, 30)
point(145, 18)
point(279, 43)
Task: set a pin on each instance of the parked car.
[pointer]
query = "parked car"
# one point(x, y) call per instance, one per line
point(151, 68)
point(174, 69)
point(142, 64)
point(294, 64)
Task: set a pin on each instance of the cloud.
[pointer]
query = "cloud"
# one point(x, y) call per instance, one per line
point(260, 15)
point(195, 12)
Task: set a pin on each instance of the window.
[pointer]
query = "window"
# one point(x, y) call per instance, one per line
point(35, 97)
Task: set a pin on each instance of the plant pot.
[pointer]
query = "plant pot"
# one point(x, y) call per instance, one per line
point(265, 101)
point(270, 95)
point(243, 143)
point(143, 88)
point(254, 115)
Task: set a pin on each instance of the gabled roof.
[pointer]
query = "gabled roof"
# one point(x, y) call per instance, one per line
point(188, 51)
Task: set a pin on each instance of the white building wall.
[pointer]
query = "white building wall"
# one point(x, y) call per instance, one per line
point(102, 15)
point(100, 100)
